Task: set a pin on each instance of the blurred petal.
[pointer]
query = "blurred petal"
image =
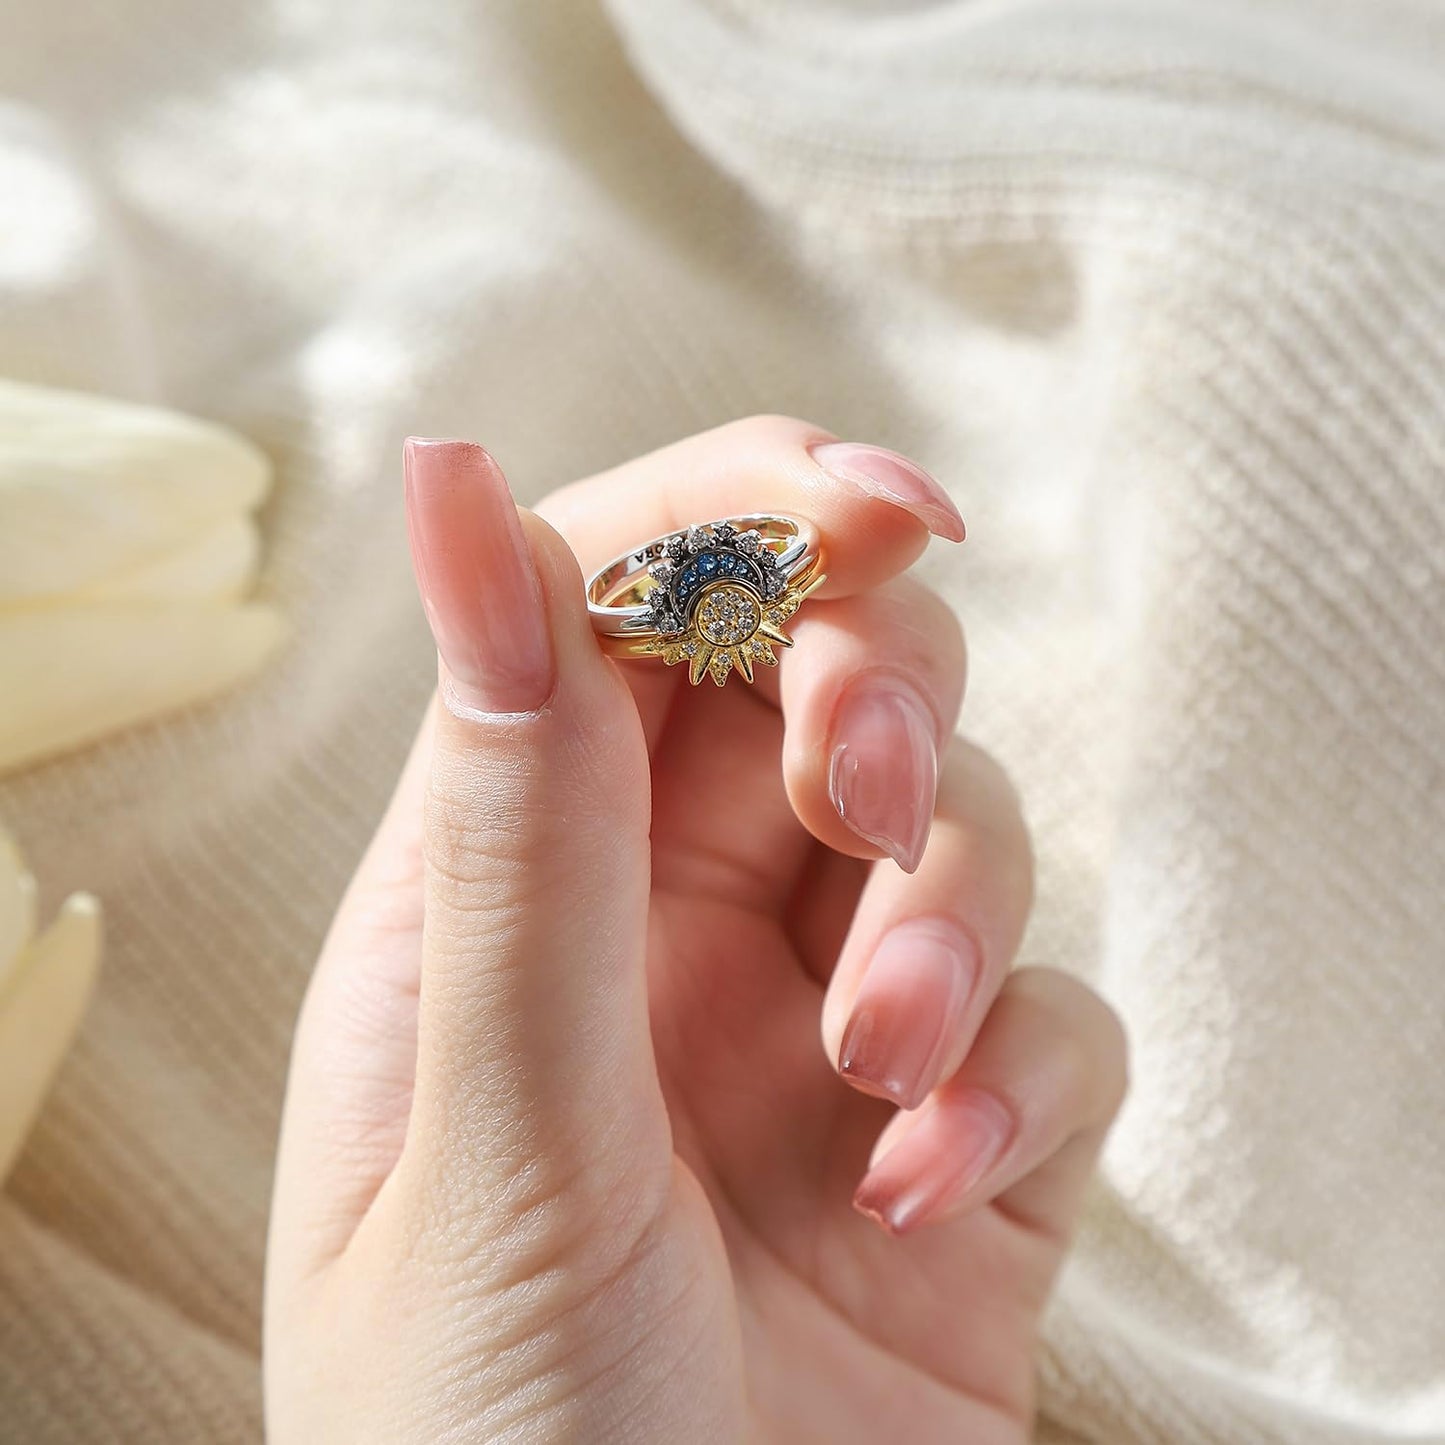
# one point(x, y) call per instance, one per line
point(92, 488)
point(219, 566)
point(17, 907)
point(75, 674)
point(40, 1007)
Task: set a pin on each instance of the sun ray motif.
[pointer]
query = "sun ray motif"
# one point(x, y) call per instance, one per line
point(701, 655)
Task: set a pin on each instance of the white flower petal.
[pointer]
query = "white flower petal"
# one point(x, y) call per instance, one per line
point(218, 566)
point(17, 906)
point(75, 674)
point(92, 488)
point(40, 1008)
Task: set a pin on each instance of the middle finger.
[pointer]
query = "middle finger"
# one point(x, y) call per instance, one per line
point(868, 696)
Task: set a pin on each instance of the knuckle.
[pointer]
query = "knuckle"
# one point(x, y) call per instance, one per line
point(490, 882)
point(932, 614)
point(526, 1220)
point(919, 633)
point(522, 817)
point(952, 639)
point(469, 836)
point(557, 1273)
point(1087, 1038)
point(904, 612)
point(974, 777)
point(1115, 1056)
point(976, 793)
point(380, 911)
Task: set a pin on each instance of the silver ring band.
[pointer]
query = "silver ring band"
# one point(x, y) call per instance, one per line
point(791, 540)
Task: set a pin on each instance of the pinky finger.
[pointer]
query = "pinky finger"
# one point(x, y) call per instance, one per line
point(1020, 1124)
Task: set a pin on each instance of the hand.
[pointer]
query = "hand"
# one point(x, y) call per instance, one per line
point(563, 1158)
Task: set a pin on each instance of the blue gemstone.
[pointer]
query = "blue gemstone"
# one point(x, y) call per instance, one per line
point(686, 585)
point(708, 564)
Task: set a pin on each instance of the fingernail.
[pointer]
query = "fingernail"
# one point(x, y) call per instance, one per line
point(883, 766)
point(895, 479)
point(476, 576)
point(908, 1010)
point(931, 1172)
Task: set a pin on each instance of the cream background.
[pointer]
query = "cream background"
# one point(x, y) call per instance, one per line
point(1158, 288)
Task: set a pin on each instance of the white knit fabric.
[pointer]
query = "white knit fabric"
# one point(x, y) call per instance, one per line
point(1157, 287)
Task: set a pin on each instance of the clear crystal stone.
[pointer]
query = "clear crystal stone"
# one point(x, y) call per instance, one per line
point(675, 547)
point(696, 538)
point(729, 615)
point(749, 543)
point(660, 571)
point(660, 613)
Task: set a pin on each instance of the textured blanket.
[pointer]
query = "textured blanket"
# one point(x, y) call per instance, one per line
point(1158, 288)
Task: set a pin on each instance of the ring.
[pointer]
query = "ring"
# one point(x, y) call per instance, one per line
point(715, 597)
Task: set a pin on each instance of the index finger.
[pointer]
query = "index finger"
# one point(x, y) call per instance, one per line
point(873, 508)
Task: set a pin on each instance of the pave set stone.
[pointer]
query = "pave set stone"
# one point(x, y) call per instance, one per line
point(728, 614)
point(702, 556)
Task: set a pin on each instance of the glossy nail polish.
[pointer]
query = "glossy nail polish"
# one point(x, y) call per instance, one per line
point(929, 1174)
point(893, 478)
point(476, 576)
point(883, 765)
point(909, 1009)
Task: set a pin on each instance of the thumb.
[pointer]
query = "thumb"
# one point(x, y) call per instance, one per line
point(534, 1059)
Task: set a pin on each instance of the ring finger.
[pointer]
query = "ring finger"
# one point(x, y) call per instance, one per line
point(926, 956)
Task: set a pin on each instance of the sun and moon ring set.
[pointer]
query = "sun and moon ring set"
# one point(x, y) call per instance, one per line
point(713, 596)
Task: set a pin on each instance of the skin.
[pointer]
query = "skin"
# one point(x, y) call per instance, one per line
point(563, 1156)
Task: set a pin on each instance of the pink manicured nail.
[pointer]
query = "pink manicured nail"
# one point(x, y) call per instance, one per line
point(476, 576)
point(883, 767)
point(930, 1173)
point(908, 1010)
point(895, 479)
